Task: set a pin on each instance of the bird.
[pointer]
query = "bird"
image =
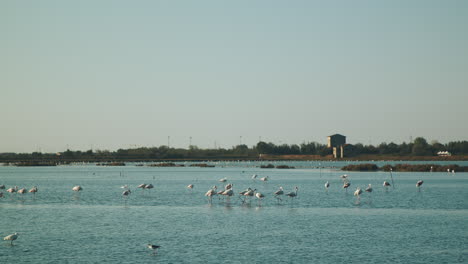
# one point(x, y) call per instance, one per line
point(2, 187)
point(142, 186)
point(190, 186)
point(22, 191)
point(77, 188)
point(327, 184)
point(33, 190)
point(344, 176)
point(418, 184)
point(212, 192)
point(386, 184)
point(264, 178)
point(228, 186)
point(223, 180)
point(124, 186)
point(154, 248)
point(358, 192)
point(260, 196)
point(12, 190)
point(11, 237)
point(278, 193)
point(369, 188)
point(293, 194)
point(149, 186)
point(254, 176)
point(346, 185)
point(126, 193)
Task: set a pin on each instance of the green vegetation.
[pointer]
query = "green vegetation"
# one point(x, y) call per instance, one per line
point(419, 148)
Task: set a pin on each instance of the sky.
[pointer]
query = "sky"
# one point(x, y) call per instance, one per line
point(121, 74)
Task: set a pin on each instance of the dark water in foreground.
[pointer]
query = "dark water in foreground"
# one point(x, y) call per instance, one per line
point(400, 225)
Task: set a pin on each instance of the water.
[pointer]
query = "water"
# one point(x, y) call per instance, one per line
point(399, 225)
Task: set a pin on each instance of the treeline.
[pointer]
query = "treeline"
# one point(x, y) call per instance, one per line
point(406, 168)
point(419, 147)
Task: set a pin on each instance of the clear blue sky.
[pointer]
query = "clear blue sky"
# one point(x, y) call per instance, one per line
point(119, 74)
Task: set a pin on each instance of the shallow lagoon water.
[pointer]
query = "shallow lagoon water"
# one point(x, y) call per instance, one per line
point(97, 225)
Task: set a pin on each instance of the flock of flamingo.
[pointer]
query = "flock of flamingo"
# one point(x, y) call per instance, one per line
point(245, 195)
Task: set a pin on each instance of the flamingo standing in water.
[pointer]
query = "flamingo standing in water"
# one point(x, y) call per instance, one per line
point(254, 176)
point(369, 188)
point(358, 192)
point(154, 248)
point(293, 194)
point(264, 178)
point(210, 193)
point(12, 190)
point(346, 186)
point(77, 188)
point(260, 196)
point(386, 184)
point(190, 186)
point(22, 191)
point(278, 193)
point(418, 184)
point(250, 193)
point(327, 184)
point(33, 190)
point(223, 180)
point(11, 238)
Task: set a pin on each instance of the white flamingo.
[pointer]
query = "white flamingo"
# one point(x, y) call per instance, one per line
point(254, 176)
point(264, 178)
point(126, 193)
point(190, 186)
point(369, 188)
point(77, 188)
point(12, 190)
point(260, 197)
point(279, 192)
point(11, 238)
point(358, 192)
point(22, 191)
point(149, 186)
point(223, 180)
point(210, 193)
point(327, 184)
point(346, 185)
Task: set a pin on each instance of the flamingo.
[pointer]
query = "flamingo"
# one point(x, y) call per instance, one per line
point(142, 186)
point(12, 190)
point(126, 193)
point(33, 190)
point(278, 193)
point(250, 193)
point(223, 180)
point(11, 237)
point(293, 194)
point(344, 176)
point(369, 188)
point(212, 192)
point(22, 191)
point(418, 184)
point(228, 186)
point(124, 186)
point(386, 184)
point(190, 186)
point(264, 178)
point(77, 188)
point(346, 185)
point(154, 248)
point(358, 192)
point(327, 184)
point(260, 196)
point(254, 176)
point(149, 186)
